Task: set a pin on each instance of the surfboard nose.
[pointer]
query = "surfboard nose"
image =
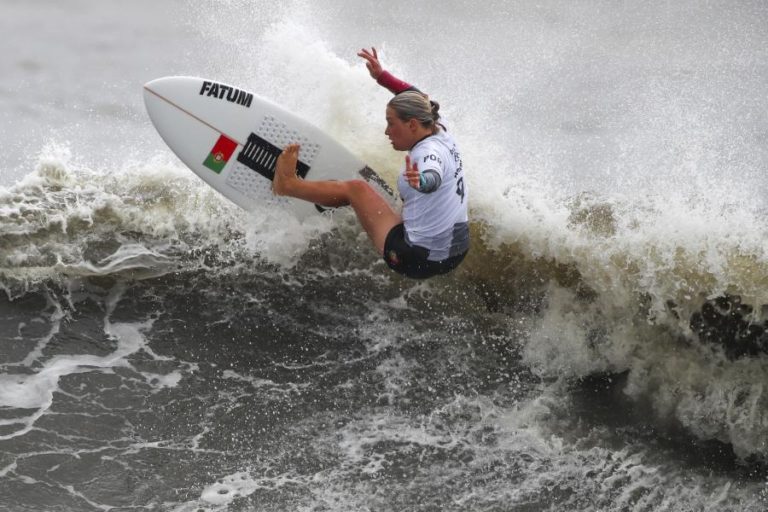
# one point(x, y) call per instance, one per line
point(164, 85)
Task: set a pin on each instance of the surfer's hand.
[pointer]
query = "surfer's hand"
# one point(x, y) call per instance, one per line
point(412, 175)
point(372, 62)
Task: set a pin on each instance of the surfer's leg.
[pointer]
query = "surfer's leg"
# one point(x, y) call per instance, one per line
point(373, 212)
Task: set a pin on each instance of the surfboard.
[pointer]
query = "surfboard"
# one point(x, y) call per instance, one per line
point(231, 138)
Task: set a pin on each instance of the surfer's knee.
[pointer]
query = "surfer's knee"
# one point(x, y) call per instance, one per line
point(358, 188)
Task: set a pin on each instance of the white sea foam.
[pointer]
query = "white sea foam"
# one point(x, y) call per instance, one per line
point(34, 392)
point(471, 439)
point(220, 494)
point(229, 488)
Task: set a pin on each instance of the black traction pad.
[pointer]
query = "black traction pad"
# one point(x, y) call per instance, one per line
point(261, 156)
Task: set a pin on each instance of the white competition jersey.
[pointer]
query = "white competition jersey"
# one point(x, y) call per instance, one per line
point(437, 220)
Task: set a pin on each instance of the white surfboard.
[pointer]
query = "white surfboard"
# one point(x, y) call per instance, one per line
point(231, 139)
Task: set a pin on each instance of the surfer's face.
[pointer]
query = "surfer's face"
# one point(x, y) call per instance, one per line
point(400, 132)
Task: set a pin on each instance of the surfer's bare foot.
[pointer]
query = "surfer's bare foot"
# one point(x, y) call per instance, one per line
point(285, 170)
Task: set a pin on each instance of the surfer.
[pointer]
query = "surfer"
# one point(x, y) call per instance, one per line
point(431, 235)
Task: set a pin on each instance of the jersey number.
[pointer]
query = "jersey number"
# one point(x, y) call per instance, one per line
point(460, 188)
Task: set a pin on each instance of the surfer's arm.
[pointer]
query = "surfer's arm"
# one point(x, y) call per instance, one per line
point(429, 181)
point(394, 84)
point(383, 77)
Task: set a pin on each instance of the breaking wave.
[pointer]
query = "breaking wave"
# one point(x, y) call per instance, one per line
point(670, 295)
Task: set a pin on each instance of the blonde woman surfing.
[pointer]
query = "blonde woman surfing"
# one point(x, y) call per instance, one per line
point(431, 235)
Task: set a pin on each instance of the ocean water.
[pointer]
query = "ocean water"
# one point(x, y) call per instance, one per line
point(602, 348)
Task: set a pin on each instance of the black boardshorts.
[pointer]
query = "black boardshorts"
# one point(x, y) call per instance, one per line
point(411, 260)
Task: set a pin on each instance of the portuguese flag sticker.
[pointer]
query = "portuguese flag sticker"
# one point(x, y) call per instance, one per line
point(219, 155)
